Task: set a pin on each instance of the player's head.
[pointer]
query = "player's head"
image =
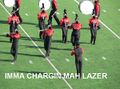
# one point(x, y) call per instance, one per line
point(96, 1)
point(96, 17)
point(77, 45)
point(49, 26)
point(76, 18)
point(93, 17)
point(43, 7)
point(13, 13)
point(65, 13)
point(16, 31)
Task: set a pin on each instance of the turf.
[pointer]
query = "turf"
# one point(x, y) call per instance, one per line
point(107, 45)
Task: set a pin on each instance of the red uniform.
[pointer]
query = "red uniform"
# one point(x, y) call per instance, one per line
point(73, 51)
point(42, 15)
point(15, 36)
point(64, 20)
point(14, 47)
point(94, 26)
point(76, 26)
point(94, 21)
point(48, 32)
point(13, 18)
point(75, 36)
point(64, 25)
point(47, 40)
point(77, 51)
point(19, 2)
point(53, 13)
point(54, 5)
point(97, 9)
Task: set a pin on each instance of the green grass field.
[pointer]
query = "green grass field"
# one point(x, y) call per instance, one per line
point(107, 45)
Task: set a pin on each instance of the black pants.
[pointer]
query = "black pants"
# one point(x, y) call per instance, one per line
point(17, 13)
point(64, 35)
point(53, 14)
point(12, 29)
point(47, 45)
point(95, 13)
point(93, 35)
point(75, 38)
point(41, 27)
point(78, 67)
point(14, 50)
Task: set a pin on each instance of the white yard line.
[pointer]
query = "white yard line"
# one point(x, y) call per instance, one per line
point(109, 29)
point(39, 49)
point(76, 1)
point(105, 25)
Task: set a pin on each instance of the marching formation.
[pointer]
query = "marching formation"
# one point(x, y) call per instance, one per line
point(46, 33)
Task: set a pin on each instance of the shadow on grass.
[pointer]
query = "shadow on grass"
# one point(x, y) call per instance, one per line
point(33, 38)
point(52, 48)
point(24, 54)
point(3, 41)
point(5, 60)
point(34, 72)
point(3, 22)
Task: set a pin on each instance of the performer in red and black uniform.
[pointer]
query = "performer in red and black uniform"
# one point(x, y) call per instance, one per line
point(13, 22)
point(47, 39)
point(75, 36)
point(96, 10)
point(64, 23)
point(41, 19)
point(94, 26)
point(78, 51)
point(16, 9)
point(53, 13)
point(14, 48)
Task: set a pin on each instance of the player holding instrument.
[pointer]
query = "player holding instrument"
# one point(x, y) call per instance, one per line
point(64, 23)
point(53, 13)
point(16, 9)
point(94, 26)
point(14, 47)
point(77, 52)
point(13, 22)
point(41, 19)
point(96, 10)
point(75, 36)
point(47, 39)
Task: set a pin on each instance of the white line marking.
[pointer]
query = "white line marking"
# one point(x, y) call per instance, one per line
point(76, 1)
point(104, 58)
point(105, 25)
point(39, 50)
point(86, 59)
point(67, 59)
point(109, 29)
